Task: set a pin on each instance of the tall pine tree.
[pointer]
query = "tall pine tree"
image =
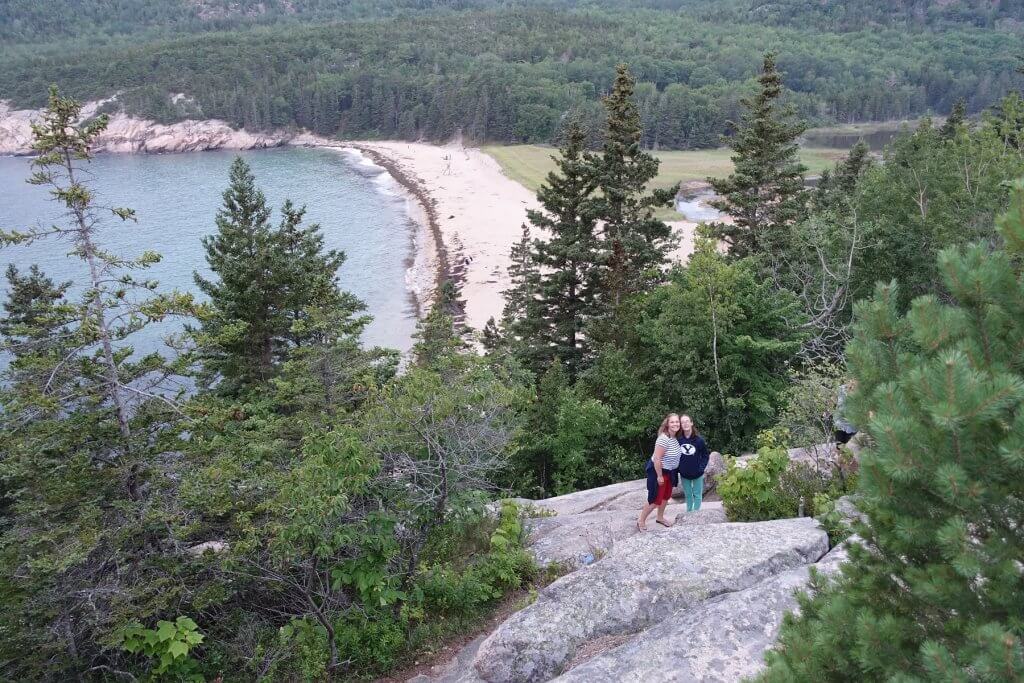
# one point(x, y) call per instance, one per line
point(265, 279)
point(522, 317)
point(568, 254)
point(764, 195)
point(115, 303)
point(934, 590)
point(248, 312)
point(554, 275)
point(634, 242)
point(82, 418)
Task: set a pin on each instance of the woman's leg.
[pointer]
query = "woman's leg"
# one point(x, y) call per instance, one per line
point(644, 514)
point(698, 491)
point(652, 496)
point(664, 496)
point(687, 493)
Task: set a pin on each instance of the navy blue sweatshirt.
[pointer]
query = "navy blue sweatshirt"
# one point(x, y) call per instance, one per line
point(694, 458)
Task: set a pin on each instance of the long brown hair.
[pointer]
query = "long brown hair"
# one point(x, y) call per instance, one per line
point(663, 429)
point(693, 427)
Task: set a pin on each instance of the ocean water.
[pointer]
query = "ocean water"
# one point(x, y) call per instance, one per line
point(360, 209)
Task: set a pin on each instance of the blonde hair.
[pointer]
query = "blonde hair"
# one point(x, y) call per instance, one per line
point(663, 429)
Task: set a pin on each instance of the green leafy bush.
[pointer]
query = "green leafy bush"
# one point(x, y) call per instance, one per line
point(749, 488)
point(168, 647)
point(769, 486)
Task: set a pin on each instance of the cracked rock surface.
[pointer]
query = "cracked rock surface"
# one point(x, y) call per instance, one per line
point(643, 580)
point(700, 601)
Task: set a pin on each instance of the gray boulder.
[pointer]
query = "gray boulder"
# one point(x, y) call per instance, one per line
point(710, 512)
point(723, 639)
point(716, 468)
point(847, 507)
point(643, 579)
point(578, 540)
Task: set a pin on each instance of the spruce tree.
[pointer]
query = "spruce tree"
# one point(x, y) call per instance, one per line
point(81, 419)
point(115, 303)
point(634, 242)
point(522, 317)
point(265, 279)
point(554, 276)
point(248, 315)
point(836, 187)
point(568, 254)
point(309, 275)
point(764, 194)
point(437, 339)
point(934, 589)
point(957, 118)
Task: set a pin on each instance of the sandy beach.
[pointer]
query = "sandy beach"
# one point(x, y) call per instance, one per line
point(478, 211)
point(478, 214)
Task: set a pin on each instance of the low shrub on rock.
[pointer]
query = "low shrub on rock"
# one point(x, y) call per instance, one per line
point(769, 486)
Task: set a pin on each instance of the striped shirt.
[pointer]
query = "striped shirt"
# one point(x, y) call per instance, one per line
point(670, 460)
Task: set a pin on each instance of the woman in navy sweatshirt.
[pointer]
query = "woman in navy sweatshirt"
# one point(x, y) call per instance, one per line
point(693, 460)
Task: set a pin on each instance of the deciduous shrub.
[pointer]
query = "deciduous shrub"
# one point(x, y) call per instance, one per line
point(769, 486)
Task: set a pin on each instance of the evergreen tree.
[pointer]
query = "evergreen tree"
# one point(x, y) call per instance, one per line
point(238, 338)
point(309, 275)
point(491, 338)
point(35, 319)
point(437, 340)
point(115, 303)
point(521, 319)
point(764, 194)
point(81, 419)
point(568, 253)
point(956, 119)
point(555, 276)
point(634, 242)
point(265, 280)
point(933, 590)
point(836, 187)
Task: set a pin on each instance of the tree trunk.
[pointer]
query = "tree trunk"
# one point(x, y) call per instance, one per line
point(109, 365)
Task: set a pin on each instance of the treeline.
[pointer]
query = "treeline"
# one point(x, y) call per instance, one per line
point(517, 74)
point(23, 21)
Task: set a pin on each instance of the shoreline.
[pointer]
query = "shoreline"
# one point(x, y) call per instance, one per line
point(467, 214)
point(421, 195)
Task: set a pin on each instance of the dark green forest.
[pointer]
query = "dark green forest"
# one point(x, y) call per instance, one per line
point(507, 71)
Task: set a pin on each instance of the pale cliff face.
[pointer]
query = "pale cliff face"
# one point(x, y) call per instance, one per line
point(138, 136)
point(15, 131)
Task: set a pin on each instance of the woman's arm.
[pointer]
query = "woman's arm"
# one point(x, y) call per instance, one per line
point(704, 454)
point(659, 453)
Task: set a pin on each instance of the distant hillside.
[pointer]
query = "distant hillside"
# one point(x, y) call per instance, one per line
point(23, 21)
point(506, 71)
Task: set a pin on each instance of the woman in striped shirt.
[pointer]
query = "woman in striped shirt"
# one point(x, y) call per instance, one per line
point(661, 472)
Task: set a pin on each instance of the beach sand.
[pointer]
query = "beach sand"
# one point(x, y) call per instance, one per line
point(477, 213)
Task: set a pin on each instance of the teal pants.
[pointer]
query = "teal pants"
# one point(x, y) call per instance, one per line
point(693, 489)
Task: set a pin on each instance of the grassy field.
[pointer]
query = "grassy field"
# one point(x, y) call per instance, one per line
point(530, 164)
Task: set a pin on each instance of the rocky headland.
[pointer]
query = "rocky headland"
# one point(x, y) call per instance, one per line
point(127, 134)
